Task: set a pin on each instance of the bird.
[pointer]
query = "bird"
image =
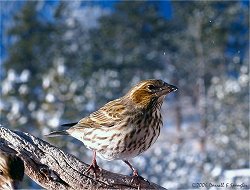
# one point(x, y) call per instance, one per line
point(11, 170)
point(125, 127)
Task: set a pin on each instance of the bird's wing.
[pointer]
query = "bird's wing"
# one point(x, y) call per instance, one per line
point(107, 116)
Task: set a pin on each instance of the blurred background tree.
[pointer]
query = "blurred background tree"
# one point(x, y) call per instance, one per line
point(29, 57)
point(202, 31)
point(63, 60)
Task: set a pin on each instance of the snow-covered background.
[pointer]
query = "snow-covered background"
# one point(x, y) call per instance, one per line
point(62, 60)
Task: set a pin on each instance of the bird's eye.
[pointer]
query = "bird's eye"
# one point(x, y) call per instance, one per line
point(151, 87)
point(1, 172)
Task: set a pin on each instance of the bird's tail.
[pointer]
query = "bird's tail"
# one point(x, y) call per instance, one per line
point(57, 133)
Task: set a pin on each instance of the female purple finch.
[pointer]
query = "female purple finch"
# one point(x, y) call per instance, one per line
point(125, 127)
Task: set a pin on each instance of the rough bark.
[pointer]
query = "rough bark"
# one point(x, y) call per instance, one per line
point(53, 168)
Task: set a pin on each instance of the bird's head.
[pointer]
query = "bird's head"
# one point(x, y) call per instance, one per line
point(148, 92)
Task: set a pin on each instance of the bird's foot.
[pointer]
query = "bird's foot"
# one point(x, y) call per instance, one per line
point(137, 179)
point(95, 168)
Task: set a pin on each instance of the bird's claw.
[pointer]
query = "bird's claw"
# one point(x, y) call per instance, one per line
point(136, 178)
point(136, 175)
point(95, 168)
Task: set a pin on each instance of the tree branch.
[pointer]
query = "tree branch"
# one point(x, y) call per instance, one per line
point(52, 168)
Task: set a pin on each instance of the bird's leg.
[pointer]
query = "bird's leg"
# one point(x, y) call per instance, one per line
point(94, 165)
point(135, 172)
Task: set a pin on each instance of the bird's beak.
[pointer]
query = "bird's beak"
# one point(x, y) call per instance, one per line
point(167, 89)
point(171, 88)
